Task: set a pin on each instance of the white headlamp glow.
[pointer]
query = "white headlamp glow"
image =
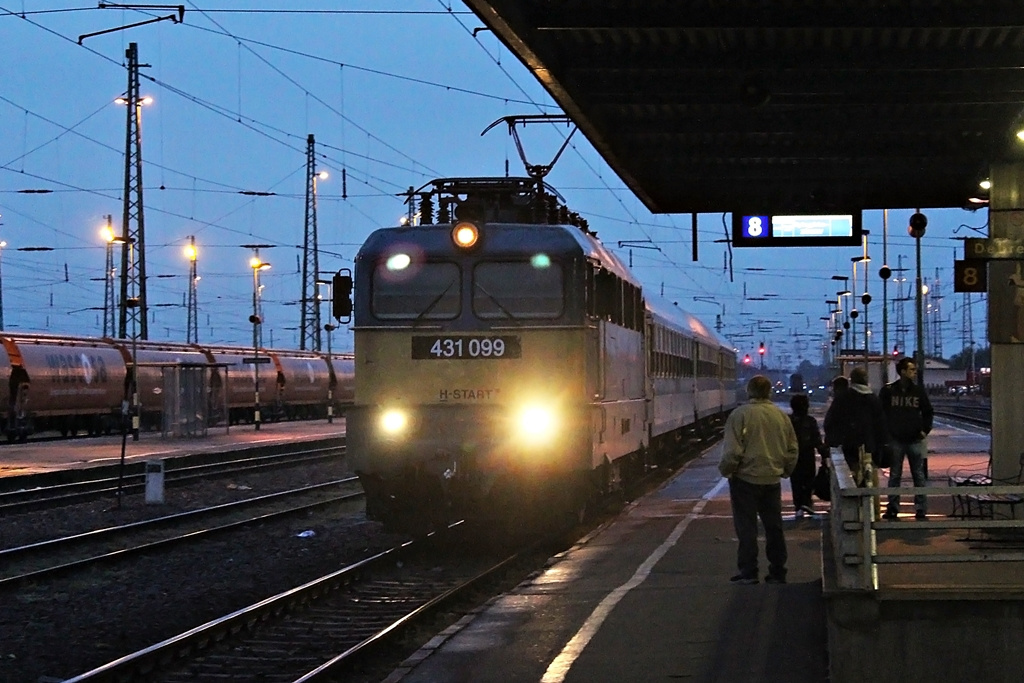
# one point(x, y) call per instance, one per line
point(537, 424)
point(393, 422)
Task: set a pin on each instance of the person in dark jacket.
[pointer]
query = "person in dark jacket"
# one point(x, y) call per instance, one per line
point(856, 419)
point(808, 439)
point(909, 416)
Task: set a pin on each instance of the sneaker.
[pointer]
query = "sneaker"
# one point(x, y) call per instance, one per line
point(889, 514)
point(743, 580)
point(799, 514)
point(920, 515)
point(772, 578)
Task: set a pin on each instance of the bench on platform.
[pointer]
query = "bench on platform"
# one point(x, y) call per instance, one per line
point(984, 505)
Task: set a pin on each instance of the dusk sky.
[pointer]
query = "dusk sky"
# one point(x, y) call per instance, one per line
point(396, 94)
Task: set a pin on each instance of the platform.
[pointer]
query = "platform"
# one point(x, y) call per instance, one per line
point(647, 597)
point(34, 457)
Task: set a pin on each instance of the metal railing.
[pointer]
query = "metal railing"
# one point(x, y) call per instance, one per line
point(854, 522)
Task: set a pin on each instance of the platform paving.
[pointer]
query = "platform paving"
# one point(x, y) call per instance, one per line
point(647, 597)
point(35, 457)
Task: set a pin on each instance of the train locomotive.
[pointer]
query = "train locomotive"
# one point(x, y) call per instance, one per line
point(77, 384)
point(509, 367)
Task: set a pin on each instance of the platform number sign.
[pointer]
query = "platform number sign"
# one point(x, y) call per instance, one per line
point(756, 227)
point(970, 275)
point(796, 229)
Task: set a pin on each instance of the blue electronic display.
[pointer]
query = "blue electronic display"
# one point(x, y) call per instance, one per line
point(796, 230)
point(756, 227)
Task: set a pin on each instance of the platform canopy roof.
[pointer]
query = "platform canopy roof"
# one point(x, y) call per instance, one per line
point(782, 105)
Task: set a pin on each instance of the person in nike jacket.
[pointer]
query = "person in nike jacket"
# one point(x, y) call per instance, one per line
point(909, 416)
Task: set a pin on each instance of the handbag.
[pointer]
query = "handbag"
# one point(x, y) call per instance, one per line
point(821, 487)
point(883, 457)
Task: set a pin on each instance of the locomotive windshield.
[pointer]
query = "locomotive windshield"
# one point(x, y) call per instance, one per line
point(520, 289)
point(420, 291)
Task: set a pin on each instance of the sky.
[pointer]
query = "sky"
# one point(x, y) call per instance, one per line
point(396, 93)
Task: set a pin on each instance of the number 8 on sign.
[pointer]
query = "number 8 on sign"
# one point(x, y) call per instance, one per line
point(756, 226)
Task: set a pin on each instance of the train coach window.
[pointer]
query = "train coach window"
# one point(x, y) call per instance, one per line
point(431, 291)
point(503, 290)
point(608, 296)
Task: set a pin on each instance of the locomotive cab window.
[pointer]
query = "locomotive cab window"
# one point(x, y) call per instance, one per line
point(518, 289)
point(416, 291)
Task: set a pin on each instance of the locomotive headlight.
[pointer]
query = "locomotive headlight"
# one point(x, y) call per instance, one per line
point(537, 424)
point(394, 422)
point(465, 234)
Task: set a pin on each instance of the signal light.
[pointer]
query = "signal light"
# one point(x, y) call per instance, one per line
point(746, 359)
point(896, 350)
point(341, 295)
point(918, 224)
point(761, 350)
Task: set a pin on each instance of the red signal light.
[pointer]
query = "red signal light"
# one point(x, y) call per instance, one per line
point(746, 359)
point(761, 350)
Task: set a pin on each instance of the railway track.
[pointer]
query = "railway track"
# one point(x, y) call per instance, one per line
point(118, 607)
point(321, 629)
point(324, 626)
point(979, 415)
point(55, 557)
point(35, 492)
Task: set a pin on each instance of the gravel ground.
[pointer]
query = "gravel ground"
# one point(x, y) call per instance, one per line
point(65, 627)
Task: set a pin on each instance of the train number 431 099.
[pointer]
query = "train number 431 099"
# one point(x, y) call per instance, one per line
point(456, 347)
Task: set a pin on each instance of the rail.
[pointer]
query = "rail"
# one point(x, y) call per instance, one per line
point(854, 523)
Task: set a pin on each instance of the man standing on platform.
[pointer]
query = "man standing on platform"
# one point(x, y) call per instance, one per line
point(909, 415)
point(760, 448)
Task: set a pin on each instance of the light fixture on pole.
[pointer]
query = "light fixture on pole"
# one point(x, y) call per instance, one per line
point(845, 323)
point(916, 229)
point(192, 318)
point(309, 323)
point(109, 319)
point(885, 272)
point(2, 245)
point(257, 264)
point(865, 299)
point(831, 328)
point(133, 277)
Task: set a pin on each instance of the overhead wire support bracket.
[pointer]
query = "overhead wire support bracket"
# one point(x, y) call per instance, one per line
point(176, 18)
point(639, 244)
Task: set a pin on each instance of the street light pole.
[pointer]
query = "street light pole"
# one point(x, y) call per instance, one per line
point(865, 299)
point(885, 272)
point(2, 245)
point(916, 229)
point(107, 232)
point(192, 319)
point(844, 323)
point(257, 325)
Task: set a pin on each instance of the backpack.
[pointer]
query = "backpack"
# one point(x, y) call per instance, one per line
point(847, 425)
point(806, 433)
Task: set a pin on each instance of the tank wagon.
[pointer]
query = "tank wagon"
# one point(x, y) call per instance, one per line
point(77, 384)
point(509, 366)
